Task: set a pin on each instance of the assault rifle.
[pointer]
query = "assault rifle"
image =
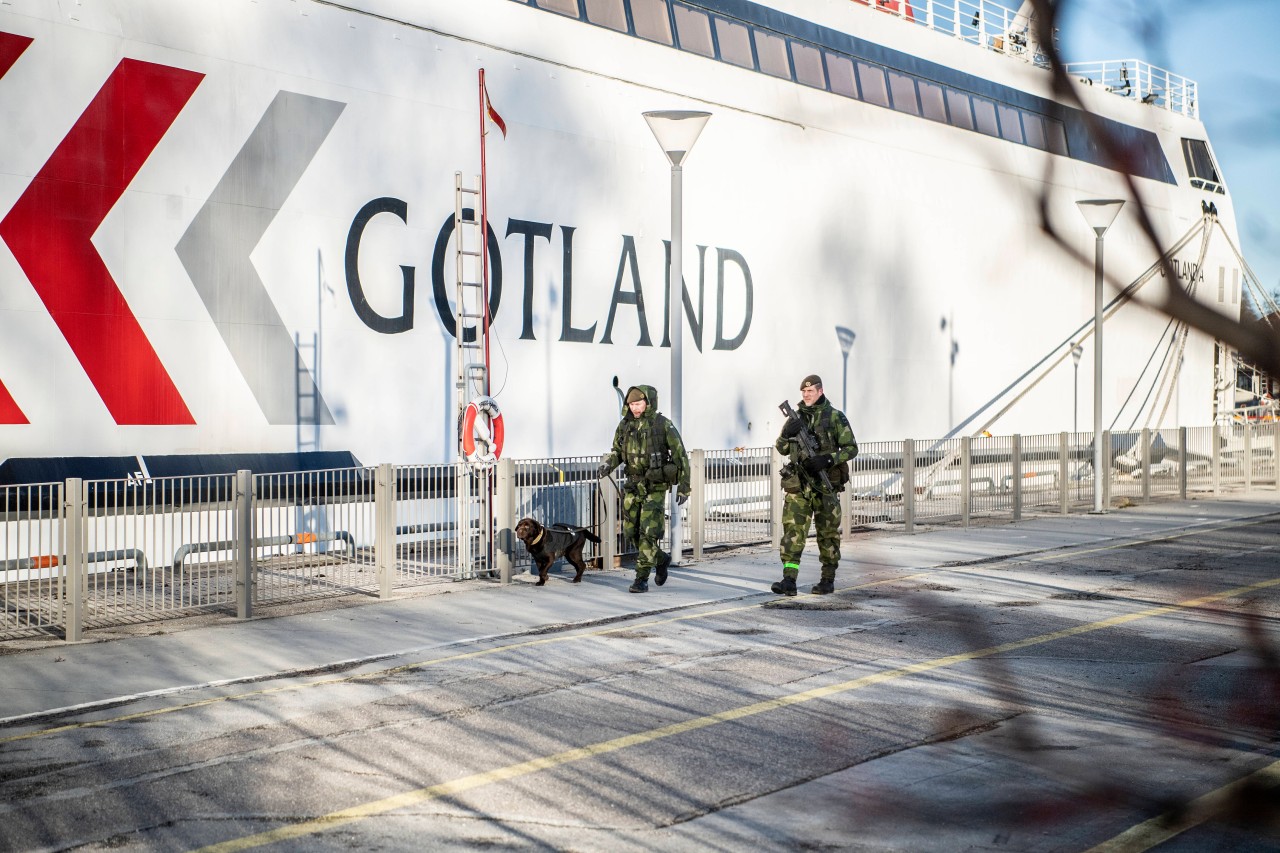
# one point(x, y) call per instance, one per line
point(808, 447)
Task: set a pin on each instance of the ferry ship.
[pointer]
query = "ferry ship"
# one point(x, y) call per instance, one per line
point(232, 225)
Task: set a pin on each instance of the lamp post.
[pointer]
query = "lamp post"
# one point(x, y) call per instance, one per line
point(1099, 213)
point(953, 350)
point(845, 336)
point(1076, 352)
point(676, 131)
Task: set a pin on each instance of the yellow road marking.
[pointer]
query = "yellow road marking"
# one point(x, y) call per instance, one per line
point(1053, 554)
point(536, 765)
point(1158, 830)
point(408, 667)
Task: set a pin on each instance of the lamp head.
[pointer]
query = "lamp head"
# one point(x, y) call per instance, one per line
point(845, 336)
point(1100, 212)
point(676, 131)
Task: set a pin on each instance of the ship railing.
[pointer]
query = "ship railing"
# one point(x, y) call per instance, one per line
point(83, 555)
point(995, 27)
point(1141, 81)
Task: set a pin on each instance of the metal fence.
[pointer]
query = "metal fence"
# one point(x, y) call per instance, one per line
point(90, 554)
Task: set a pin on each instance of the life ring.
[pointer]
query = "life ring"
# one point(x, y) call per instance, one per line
point(481, 446)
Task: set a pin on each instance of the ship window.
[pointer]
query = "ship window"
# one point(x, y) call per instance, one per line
point(1056, 136)
point(607, 13)
point(840, 72)
point(903, 87)
point(1204, 174)
point(694, 31)
point(1235, 286)
point(735, 43)
point(984, 113)
point(1033, 126)
point(1010, 126)
point(932, 103)
point(874, 90)
point(808, 65)
point(961, 110)
point(772, 51)
point(651, 20)
point(563, 7)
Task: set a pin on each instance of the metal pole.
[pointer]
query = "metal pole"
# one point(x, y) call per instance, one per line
point(697, 501)
point(73, 579)
point(775, 498)
point(844, 403)
point(244, 536)
point(504, 512)
point(1016, 459)
point(1097, 375)
point(384, 514)
point(676, 310)
point(908, 485)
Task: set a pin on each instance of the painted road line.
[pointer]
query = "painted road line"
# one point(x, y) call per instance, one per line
point(1212, 805)
point(525, 768)
point(381, 673)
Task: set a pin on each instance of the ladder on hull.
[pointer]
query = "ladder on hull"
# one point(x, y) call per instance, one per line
point(471, 374)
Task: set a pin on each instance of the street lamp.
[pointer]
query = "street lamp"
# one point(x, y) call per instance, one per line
point(953, 350)
point(1099, 213)
point(845, 336)
point(1076, 352)
point(676, 131)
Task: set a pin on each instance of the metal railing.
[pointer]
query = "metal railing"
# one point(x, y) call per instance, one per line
point(90, 554)
point(1142, 81)
point(998, 28)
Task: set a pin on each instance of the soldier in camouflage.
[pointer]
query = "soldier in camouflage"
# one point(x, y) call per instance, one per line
point(806, 496)
point(649, 448)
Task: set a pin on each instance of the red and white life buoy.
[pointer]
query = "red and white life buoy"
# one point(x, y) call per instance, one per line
point(482, 436)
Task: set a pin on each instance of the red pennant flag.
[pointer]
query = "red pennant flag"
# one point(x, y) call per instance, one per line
point(493, 114)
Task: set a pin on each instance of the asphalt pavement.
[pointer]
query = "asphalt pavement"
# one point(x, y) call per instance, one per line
point(47, 677)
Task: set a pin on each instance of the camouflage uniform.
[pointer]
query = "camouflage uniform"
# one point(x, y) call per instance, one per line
point(649, 477)
point(806, 497)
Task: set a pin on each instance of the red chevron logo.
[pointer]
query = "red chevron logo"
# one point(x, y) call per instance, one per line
point(50, 230)
point(11, 47)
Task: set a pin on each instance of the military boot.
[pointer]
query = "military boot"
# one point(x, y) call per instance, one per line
point(786, 586)
point(827, 584)
point(639, 585)
point(660, 570)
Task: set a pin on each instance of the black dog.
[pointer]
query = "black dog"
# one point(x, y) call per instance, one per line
point(548, 544)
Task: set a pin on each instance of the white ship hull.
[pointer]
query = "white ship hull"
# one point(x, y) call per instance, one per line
point(277, 122)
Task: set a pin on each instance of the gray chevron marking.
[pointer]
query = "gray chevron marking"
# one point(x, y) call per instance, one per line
point(215, 252)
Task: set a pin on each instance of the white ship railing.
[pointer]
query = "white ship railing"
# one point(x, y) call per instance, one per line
point(1003, 30)
point(1133, 78)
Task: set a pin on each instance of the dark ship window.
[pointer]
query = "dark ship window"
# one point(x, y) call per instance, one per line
point(694, 30)
point(751, 36)
point(735, 43)
point(1204, 174)
point(607, 13)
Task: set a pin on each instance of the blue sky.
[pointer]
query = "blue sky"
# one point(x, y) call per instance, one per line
point(1228, 47)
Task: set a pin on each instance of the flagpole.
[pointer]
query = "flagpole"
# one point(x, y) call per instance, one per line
point(484, 227)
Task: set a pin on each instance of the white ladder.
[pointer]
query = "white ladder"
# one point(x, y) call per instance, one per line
point(471, 377)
